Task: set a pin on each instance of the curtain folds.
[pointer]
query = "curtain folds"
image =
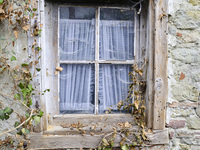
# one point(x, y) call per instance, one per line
point(116, 40)
point(77, 42)
point(77, 39)
point(77, 87)
point(114, 84)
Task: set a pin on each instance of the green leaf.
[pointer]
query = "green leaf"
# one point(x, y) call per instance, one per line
point(25, 64)
point(38, 48)
point(30, 103)
point(24, 92)
point(27, 115)
point(17, 96)
point(31, 14)
point(13, 58)
point(30, 87)
point(1, 1)
point(48, 90)
point(2, 115)
point(16, 124)
point(34, 9)
point(7, 117)
point(25, 131)
point(125, 147)
point(134, 144)
point(19, 133)
point(36, 120)
point(105, 141)
point(107, 149)
point(21, 85)
point(38, 69)
point(8, 110)
point(41, 113)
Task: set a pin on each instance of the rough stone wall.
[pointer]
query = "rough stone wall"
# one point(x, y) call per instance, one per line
point(183, 106)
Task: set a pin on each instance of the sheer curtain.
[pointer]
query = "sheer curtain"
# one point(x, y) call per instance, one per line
point(116, 43)
point(77, 42)
point(77, 80)
point(77, 39)
point(116, 40)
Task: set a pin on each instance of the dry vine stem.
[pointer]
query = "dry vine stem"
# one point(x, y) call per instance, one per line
point(17, 16)
point(18, 125)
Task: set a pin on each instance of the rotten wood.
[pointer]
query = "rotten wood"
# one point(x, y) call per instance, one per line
point(150, 72)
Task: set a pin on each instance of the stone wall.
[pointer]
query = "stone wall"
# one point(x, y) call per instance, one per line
point(183, 106)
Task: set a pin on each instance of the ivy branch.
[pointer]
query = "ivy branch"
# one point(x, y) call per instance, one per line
point(19, 125)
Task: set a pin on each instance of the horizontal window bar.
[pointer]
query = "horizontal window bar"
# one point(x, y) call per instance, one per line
point(98, 6)
point(100, 62)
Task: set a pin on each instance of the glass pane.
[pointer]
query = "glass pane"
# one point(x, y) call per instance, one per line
point(116, 35)
point(77, 88)
point(116, 14)
point(114, 84)
point(87, 13)
point(77, 34)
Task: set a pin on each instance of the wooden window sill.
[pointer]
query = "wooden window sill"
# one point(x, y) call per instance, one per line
point(64, 132)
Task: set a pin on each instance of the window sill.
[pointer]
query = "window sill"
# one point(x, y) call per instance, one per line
point(71, 137)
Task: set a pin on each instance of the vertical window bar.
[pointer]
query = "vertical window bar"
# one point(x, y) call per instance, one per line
point(97, 18)
point(58, 58)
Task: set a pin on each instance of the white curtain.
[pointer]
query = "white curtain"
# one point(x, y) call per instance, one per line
point(77, 39)
point(116, 40)
point(76, 80)
point(116, 43)
point(77, 88)
point(77, 42)
point(113, 85)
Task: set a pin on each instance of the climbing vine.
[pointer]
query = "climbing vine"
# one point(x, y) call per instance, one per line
point(135, 104)
point(17, 15)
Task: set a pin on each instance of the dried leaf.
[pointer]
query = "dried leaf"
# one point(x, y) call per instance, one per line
point(2, 11)
point(26, 27)
point(140, 72)
point(127, 125)
point(17, 67)
point(136, 103)
point(10, 9)
point(150, 131)
point(59, 68)
point(105, 141)
point(56, 72)
point(92, 133)
point(19, 13)
point(16, 34)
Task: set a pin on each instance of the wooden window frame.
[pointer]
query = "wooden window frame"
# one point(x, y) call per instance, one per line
point(154, 39)
point(97, 61)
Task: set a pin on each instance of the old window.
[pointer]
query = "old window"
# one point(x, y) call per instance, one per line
point(96, 48)
point(98, 67)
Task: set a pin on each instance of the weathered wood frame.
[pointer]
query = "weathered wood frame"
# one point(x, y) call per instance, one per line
point(97, 61)
point(156, 45)
point(157, 60)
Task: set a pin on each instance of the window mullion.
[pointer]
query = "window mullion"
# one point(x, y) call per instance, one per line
point(97, 19)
